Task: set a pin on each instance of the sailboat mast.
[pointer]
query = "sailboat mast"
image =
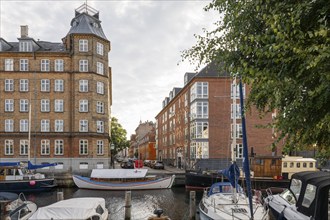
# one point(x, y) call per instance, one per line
point(29, 138)
point(233, 144)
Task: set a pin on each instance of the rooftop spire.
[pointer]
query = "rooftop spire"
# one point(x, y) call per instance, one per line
point(84, 8)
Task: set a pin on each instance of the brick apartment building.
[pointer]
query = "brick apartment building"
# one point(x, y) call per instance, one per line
point(195, 126)
point(55, 97)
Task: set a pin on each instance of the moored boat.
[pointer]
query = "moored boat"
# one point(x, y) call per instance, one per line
point(14, 206)
point(307, 197)
point(75, 208)
point(123, 179)
point(15, 177)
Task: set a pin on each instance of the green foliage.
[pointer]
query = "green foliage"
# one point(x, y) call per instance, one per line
point(118, 136)
point(281, 49)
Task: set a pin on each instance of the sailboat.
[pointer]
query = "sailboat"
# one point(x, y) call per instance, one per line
point(227, 200)
point(20, 176)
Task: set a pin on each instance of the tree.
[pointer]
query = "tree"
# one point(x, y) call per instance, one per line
point(281, 49)
point(118, 136)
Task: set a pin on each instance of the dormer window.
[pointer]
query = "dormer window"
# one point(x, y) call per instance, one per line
point(25, 46)
point(83, 45)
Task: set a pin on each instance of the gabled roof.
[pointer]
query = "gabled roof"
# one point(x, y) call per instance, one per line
point(84, 23)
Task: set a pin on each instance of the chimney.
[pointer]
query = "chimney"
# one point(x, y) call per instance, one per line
point(24, 31)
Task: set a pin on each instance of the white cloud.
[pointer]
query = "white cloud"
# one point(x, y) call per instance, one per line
point(147, 38)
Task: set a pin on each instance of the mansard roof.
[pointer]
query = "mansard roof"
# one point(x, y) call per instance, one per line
point(87, 23)
point(44, 46)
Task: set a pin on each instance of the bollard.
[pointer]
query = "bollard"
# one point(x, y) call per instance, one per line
point(192, 205)
point(59, 196)
point(128, 205)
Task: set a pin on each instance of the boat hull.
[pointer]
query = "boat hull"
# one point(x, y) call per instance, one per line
point(87, 183)
point(37, 185)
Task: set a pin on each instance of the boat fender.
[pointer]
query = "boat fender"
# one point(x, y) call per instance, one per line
point(32, 183)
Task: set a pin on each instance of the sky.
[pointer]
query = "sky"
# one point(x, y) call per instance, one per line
point(147, 39)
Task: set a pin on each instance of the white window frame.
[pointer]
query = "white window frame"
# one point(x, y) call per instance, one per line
point(24, 65)
point(83, 125)
point(83, 65)
point(59, 85)
point(100, 68)
point(100, 107)
point(9, 105)
point(83, 105)
point(44, 105)
point(83, 147)
point(9, 147)
point(45, 85)
point(9, 85)
point(44, 125)
point(9, 125)
point(239, 151)
point(59, 125)
point(83, 45)
point(99, 48)
point(24, 147)
point(45, 65)
point(24, 105)
point(100, 88)
point(239, 131)
point(100, 126)
point(25, 46)
point(59, 105)
point(100, 147)
point(45, 147)
point(9, 65)
point(23, 85)
point(59, 147)
point(59, 65)
point(83, 85)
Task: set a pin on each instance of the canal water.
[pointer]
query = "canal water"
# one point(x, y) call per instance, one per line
point(174, 202)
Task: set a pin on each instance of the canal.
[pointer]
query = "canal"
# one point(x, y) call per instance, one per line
point(174, 201)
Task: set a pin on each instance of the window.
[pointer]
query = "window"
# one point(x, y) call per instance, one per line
point(291, 164)
point(239, 131)
point(45, 125)
point(83, 125)
point(199, 150)
point(9, 85)
point(83, 85)
point(24, 147)
point(83, 65)
point(99, 126)
point(100, 107)
point(239, 151)
point(9, 105)
point(9, 65)
point(199, 110)
point(45, 67)
point(309, 195)
point(83, 45)
point(45, 105)
point(23, 105)
point(59, 105)
point(24, 85)
point(295, 187)
point(285, 164)
point(311, 165)
point(25, 46)
point(100, 147)
point(59, 65)
point(100, 88)
point(99, 48)
point(59, 85)
point(45, 147)
point(298, 165)
point(59, 147)
point(83, 105)
point(199, 130)
point(24, 125)
point(199, 90)
point(233, 87)
point(99, 68)
point(83, 165)
point(238, 111)
point(83, 147)
point(9, 125)
point(59, 125)
point(9, 147)
point(59, 166)
point(45, 85)
point(24, 65)
point(304, 164)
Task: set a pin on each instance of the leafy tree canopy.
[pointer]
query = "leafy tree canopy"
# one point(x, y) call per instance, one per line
point(118, 136)
point(281, 49)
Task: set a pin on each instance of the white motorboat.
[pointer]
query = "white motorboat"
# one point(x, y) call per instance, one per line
point(16, 207)
point(308, 197)
point(75, 208)
point(123, 179)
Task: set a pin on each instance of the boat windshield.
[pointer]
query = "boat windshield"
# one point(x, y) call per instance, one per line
point(295, 187)
point(288, 196)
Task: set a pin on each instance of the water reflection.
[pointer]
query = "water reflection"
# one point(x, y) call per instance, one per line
point(174, 201)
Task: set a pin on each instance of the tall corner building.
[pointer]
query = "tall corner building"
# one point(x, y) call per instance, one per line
point(55, 97)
